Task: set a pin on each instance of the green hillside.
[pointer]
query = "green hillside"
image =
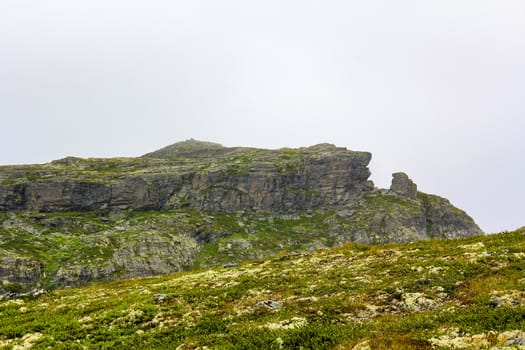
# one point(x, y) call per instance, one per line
point(56, 250)
point(461, 293)
point(195, 205)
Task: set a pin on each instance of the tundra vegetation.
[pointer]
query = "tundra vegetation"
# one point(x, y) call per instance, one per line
point(466, 293)
point(251, 249)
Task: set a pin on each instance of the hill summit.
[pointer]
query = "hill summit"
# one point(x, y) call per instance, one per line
point(188, 148)
point(198, 204)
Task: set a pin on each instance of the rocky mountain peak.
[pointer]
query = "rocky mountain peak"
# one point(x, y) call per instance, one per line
point(188, 148)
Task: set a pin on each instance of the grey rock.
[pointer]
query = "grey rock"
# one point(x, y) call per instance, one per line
point(37, 292)
point(345, 213)
point(403, 185)
point(495, 301)
point(148, 254)
point(229, 265)
point(270, 304)
point(389, 219)
point(19, 271)
point(322, 176)
point(520, 341)
point(159, 298)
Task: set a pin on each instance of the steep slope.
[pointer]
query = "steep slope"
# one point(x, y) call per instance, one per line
point(434, 294)
point(287, 180)
point(77, 220)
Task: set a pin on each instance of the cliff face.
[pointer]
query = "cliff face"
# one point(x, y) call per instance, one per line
point(197, 204)
point(235, 179)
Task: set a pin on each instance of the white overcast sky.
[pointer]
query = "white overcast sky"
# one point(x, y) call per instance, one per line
point(432, 88)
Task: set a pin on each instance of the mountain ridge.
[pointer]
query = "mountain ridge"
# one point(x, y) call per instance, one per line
point(74, 220)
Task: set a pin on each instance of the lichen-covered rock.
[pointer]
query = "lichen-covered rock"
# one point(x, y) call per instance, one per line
point(385, 217)
point(18, 273)
point(403, 186)
point(322, 176)
point(147, 254)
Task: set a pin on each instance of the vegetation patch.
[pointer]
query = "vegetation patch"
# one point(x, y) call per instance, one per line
point(428, 294)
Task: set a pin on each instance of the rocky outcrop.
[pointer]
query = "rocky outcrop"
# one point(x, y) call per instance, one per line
point(402, 214)
point(17, 272)
point(198, 204)
point(443, 220)
point(403, 185)
point(382, 216)
point(147, 254)
point(322, 176)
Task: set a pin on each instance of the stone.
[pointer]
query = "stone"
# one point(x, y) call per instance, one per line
point(403, 185)
point(270, 304)
point(230, 265)
point(160, 298)
point(519, 341)
point(495, 301)
point(37, 292)
point(20, 273)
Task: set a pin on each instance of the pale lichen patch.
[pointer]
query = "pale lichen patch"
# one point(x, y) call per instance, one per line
point(27, 341)
point(456, 339)
point(511, 298)
point(85, 321)
point(473, 247)
point(293, 323)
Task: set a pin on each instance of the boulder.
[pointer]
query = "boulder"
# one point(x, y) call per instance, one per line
point(403, 185)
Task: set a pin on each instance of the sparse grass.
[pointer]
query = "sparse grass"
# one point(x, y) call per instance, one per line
point(396, 296)
point(74, 240)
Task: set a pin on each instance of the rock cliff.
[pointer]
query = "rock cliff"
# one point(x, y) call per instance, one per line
point(403, 185)
point(196, 204)
point(216, 179)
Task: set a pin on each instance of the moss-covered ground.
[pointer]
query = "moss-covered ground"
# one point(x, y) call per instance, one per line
point(94, 239)
point(465, 293)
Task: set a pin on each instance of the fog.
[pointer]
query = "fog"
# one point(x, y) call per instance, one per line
point(432, 88)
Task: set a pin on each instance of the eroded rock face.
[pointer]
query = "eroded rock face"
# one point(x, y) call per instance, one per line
point(19, 272)
point(322, 176)
point(403, 185)
point(147, 254)
point(388, 217)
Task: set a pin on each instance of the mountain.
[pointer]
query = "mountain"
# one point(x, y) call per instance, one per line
point(464, 293)
point(198, 204)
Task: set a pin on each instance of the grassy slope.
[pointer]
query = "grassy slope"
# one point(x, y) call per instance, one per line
point(411, 296)
point(92, 239)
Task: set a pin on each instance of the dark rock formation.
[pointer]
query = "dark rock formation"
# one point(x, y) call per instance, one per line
point(403, 186)
point(322, 176)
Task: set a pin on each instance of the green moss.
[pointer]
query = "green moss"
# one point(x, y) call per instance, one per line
point(325, 297)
